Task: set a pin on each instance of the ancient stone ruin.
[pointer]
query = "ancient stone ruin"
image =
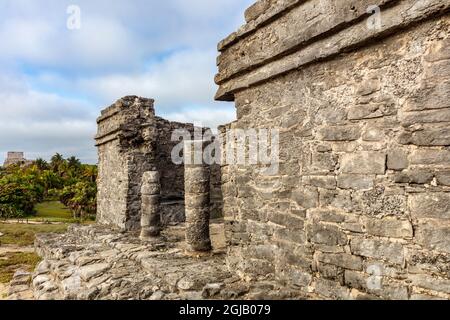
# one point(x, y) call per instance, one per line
point(359, 207)
point(15, 158)
point(360, 92)
point(131, 140)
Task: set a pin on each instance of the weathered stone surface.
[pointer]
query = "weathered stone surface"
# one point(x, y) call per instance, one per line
point(151, 205)
point(397, 160)
point(329, 289)
point(429, 116)
point(269, 38)
point(355, 35)
point(373, 134)
point(132, 140)
point(424, 261)
point(306, 197)
point(364, 162)
point(340, 133)
point(437, 135)
point(370, 111)
point(257, 9)
point(90, 271)
point(362, 281)
point(326, 182)
point(197, 202)
point(378, 202)
point(378, 249)
point(431, 283)
point(326, 215)
point(287, 220)
point(443, 177)
point(430, 156)
point(336, 198)
point(291, 234)
point(343, 260)
point(165, 273)
point(415, 176)
point(424, 297)
point(322, 163)
point(326, 234)
point(389, 227)
point(355, 181)
point(295, 277)
point(434, 235)
point(430, 205)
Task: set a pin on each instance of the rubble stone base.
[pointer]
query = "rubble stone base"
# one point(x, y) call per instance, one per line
point(94, 262)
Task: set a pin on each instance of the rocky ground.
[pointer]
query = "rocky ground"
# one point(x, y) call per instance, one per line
point(92, 262)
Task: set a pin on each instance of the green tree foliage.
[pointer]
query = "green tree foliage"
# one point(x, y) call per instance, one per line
point(42, 164)
point(68, 180)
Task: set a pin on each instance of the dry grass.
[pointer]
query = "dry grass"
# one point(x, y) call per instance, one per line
point(53, 210)
point(24, 234)
point(12, 261)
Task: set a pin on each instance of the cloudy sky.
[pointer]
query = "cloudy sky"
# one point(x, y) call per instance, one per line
point(54, 80)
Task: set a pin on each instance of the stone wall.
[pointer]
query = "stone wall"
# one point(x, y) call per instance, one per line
point(360, 207)
point(16, 158)
point(132, 140)
point(172, 175)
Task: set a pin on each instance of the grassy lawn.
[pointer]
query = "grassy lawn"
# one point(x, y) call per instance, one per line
point(51, 217)
point(55, 211)
point(10, 262)
point(52, 211)
point(23, 234)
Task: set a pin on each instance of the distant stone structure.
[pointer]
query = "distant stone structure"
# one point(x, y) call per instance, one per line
point(360, 206)
point(16, 158)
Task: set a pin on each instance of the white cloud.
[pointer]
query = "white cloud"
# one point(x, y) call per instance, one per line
point(185, 77)
point(204, 117)
point(44, 123)
point(113, 34)
point(54, 81)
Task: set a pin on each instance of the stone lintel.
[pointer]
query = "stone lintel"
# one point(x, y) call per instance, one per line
point(327, 39)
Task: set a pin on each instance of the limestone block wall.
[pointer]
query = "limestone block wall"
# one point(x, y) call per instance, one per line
point(131, 140)
point(125, 152)
point(171, 175)
point(360, 207)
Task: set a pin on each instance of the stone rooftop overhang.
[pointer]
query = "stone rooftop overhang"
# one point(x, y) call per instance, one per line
point(287, 35)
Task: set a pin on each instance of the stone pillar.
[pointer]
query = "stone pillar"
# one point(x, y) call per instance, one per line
point(197, 198)
point(150, 208)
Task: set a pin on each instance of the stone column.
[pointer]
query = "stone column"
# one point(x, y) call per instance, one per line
point(150, 209)
point(197, 198)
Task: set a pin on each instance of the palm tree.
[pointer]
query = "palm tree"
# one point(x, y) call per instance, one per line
point(74, 163)
point(90, 173)
point(41, 164)
point(50, 180)
point(56, 161)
